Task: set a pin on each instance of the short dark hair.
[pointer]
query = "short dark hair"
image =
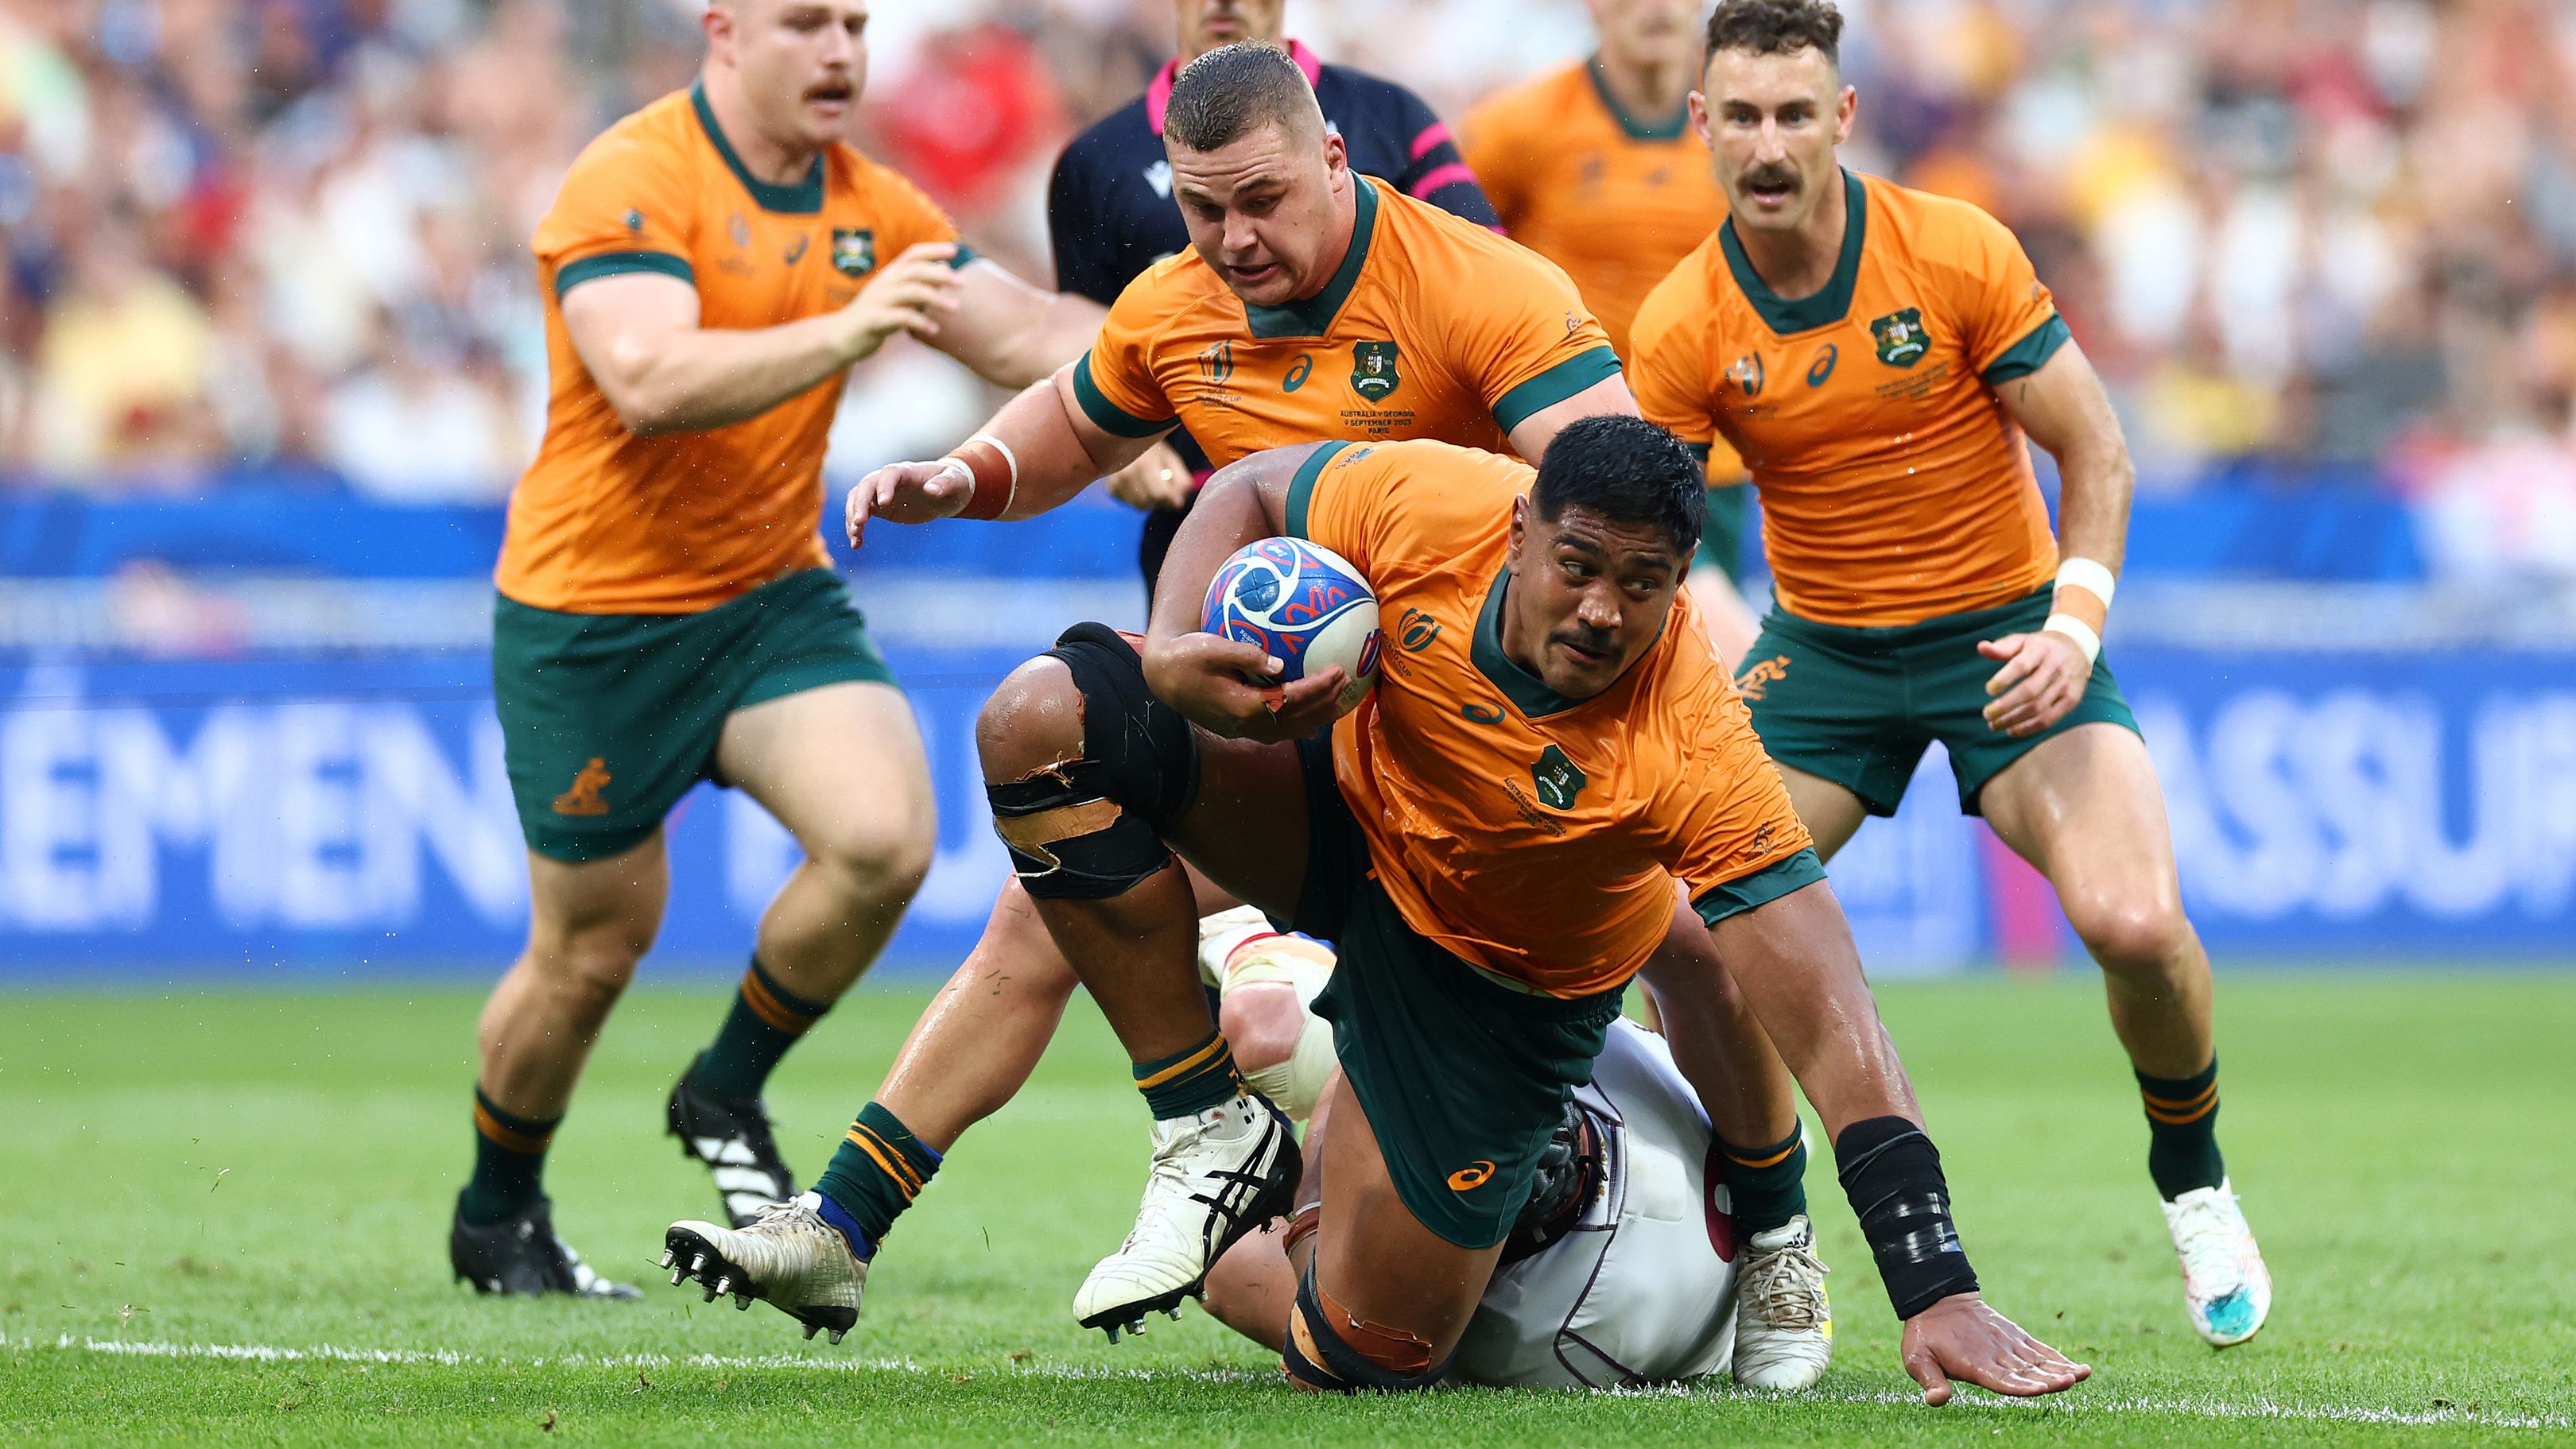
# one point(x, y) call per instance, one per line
point(1626, 470)
point(1775, 27)
point(1235, 89)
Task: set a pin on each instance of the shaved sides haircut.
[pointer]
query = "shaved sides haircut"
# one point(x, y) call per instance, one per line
point(1236, 89)
point(1776, 27)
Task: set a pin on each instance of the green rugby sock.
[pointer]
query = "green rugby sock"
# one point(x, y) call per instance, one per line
point(765, 1021)
point(1187, 1083)
point(2182, 1129)
point(880, 1168)
point(509, 1162)
point(1767, 1186)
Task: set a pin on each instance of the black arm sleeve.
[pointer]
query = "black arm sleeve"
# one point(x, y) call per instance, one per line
point(1454, 188)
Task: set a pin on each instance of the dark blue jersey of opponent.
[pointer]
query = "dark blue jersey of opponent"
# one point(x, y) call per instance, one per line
point(1111, 213)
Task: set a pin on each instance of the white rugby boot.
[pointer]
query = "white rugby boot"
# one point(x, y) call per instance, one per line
point(789, 1258)
point(1784, 1327)
point(2224, 1282)
point(1216, 1176)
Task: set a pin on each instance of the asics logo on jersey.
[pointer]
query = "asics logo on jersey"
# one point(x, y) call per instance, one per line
point(854, 250)
point(1901, 338)
point(1823, 366)
point(1471, 1177)
point(1297, 374)
point(1481, 713)
point(584, 797)
point(797, 248)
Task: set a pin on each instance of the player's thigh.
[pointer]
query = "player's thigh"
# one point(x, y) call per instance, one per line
point(2085, 808)
point(842, 767)
point(1374, 1257)
point(1246, 832)
point(600, 916)
point(1831, 812)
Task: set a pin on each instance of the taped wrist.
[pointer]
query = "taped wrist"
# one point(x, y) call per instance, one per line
point(1892, 1174)
point(1329, 1349)
point(1091, 828)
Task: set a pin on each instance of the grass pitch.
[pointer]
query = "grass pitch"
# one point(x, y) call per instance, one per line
point(225, 1216)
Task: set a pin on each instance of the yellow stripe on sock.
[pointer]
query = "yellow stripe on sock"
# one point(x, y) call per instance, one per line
point(765, 1004)
point(525, 1143)
point(2178, 1110)
point(1186, 1066)
point(887, 1159)
point(2181, 1119)
point(1774, 1160)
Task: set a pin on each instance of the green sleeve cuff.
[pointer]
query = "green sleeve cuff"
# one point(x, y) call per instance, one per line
point(964, 255)
point(611, 264)
point(1301, 488)
point(1554, 386)
point(1701, 452)
point(1108, 416)
point(2024, 357)
point(1761, 888)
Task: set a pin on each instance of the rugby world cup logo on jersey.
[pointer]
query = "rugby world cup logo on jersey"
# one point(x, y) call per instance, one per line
point(1901, 338)
point(854, 250)
point(1416, 630)
point(1558, 779)
point(1373, 370)
point(1216, 363)
point(1746, 374)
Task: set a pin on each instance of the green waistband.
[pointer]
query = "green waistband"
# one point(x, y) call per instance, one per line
point(1939, 626)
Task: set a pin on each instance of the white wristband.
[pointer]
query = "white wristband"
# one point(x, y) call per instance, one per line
point(2077, 630)
point(2092, 578)
point(1013, 459)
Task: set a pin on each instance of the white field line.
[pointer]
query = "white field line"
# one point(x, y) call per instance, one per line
point(2082, 1401)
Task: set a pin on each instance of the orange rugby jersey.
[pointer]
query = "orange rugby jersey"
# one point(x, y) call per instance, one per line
point(1534, 836)
point(605, 522)
point(1431, 327)
point(1895, 488)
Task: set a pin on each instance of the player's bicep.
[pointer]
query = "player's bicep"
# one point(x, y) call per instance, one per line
point(1608, 397)
point(2062, 404)
point(621, 323)
point(1109, 449)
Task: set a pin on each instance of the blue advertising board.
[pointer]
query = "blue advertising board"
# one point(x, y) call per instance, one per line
point(351, 815)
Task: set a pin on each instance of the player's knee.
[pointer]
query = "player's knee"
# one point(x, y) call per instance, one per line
point(1031, 724)
point(2129, 931)
point(1262, 1022)
point(1331, 1350)
point(881, 858)
point(587, 967)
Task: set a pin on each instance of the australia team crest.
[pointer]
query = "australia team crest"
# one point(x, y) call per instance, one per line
point(1558, 779)
point(1373, 370)
point(1901, 338)
point(854, 251)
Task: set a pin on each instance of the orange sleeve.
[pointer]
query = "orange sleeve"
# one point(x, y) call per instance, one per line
point(1491, 144)
point(626, 206)
point(1393, 507)
point(1525, 340)
point(1115, 380)
point(2007, 318)
point(1733, 839)
point(1667, 363)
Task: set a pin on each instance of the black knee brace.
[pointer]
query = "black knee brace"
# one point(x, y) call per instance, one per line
point(1092, 828)
point(1320, 1356)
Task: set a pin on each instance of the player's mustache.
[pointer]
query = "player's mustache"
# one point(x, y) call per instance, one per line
point(1786, 176)
point(1597, 641)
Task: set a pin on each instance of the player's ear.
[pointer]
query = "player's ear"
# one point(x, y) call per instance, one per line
point(1520, 529)
point(1337, 155)
point(1699, 118)
point(1846, 110)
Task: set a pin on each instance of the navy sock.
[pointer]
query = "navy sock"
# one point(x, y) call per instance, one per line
point(765, 1021)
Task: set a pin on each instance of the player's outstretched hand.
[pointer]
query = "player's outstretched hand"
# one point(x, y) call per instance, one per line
point(908, 493)
point(913, 293)
point(1208, 680)
point(1160, 479)
point(1961, 1338)
point(2043, 677)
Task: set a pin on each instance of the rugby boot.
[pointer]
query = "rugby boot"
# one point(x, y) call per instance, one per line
point(520, 1255)
point(788, 1257)
point(1216, 1176)
point(731, 1138)
point(1784, 1327)
point(2224, 1282)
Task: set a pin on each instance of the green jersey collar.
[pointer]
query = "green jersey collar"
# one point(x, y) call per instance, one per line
point(1825, 307)
point(1313, 317)
point(1636, 130)
point(803, 198)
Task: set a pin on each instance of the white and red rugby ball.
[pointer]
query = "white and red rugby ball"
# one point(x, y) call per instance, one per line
point(1304, 604)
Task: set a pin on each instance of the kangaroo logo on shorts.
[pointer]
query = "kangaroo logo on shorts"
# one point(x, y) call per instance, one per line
point(1756, 680)
point(1901, 338)
point(1559, 780)
point(584, 797)
point(1373, 374)
point(1471, 1177)
point(854, 250)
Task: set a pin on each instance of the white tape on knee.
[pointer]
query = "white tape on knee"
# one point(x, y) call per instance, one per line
point(1298, 1083)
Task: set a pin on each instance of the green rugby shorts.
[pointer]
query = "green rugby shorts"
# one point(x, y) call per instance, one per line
point(1858, 706)
point(608, 719)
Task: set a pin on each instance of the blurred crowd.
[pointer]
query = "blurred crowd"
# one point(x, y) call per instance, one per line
point(2333, 238)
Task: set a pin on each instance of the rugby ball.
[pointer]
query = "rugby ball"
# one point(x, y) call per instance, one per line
point(1306, 605)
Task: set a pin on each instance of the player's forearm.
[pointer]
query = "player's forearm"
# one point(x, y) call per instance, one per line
point(1794, 962)
point(2097, 483)
point(1055, 462)
point(698, 378)
point(1012, 334)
